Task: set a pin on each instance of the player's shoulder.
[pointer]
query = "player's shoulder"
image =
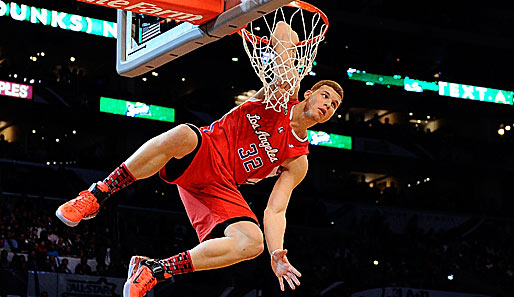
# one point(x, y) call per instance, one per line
point(293, 101)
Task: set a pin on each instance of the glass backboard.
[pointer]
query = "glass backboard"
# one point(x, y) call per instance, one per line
point(146, 42)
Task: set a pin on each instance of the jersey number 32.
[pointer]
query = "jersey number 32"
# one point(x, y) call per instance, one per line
point(250, 163)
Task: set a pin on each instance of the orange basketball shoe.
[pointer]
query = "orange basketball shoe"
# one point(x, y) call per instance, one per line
point(143, 275)
point(85, 206)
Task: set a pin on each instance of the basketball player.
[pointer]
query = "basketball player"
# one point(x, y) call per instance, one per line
point(207, 164)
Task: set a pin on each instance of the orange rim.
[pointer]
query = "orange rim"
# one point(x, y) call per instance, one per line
point(298, 4)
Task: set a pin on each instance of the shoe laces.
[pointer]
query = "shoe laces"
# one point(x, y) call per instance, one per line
point(147, 285)
point(85, 200)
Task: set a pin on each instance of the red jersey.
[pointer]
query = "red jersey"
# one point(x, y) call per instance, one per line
point(253, 141)
point(247, 144)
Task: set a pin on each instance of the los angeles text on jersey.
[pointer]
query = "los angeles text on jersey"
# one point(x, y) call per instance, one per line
point(263, 137)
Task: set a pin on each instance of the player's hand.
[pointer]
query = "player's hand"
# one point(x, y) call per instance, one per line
point(286, 78)
point(284, 270)
point(286, 84)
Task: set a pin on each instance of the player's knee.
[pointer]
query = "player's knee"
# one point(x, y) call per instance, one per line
point(248, 238)
point(252, 246)
point(181, 140)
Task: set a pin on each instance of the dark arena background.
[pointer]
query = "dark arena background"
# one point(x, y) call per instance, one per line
point(409, 190)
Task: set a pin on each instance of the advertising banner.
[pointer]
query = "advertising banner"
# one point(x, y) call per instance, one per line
point(74, 285)
point(15, 90)
point(410, 292)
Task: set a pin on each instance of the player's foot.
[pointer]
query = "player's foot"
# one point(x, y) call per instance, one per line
point(143, 275)
point(135, 262)
point(84, 207)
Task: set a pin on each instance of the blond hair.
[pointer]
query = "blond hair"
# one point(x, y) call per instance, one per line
point(334, 85)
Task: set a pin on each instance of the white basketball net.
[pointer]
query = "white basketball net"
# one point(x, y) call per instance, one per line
point(285, 69)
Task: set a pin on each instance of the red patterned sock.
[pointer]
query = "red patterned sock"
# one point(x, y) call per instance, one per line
point(178, 264)
point(119, 179)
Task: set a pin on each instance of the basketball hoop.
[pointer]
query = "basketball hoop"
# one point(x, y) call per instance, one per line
point(311, 25)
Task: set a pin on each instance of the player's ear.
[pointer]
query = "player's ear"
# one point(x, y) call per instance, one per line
point(307, 94)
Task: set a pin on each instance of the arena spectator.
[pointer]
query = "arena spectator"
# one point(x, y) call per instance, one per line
point(32, 263)
point(23, 243)
point(52, 264)
point(63, 268)
point(100, 270)
point(52, 236)
point(83, 267)
point(18, 263)
point(4, 262)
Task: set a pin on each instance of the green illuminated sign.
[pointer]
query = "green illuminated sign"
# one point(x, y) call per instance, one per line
point(414, 85)
point(372, 79)
point(137, 109)
point(57, 19)
point(329, 139)
point(475, 93)
point(443, 88)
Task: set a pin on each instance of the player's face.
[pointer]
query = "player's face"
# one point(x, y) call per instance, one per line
point(322, 103)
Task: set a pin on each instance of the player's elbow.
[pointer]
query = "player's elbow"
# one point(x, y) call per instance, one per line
point(284, 33)
point(282, 27)
point(274, 211)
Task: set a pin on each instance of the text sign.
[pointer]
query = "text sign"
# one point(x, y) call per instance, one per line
point(196, 12)
point(58, 19)
point(15, 90)
point(443, 88)
point(475, 93)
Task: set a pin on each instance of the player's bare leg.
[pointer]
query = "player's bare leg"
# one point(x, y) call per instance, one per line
point(145, 162)
point(242, 241)
point(156, 152)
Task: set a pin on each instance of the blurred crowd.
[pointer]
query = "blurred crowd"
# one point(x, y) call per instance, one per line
point(362, 254)
point(38, 241)
point(367, 254)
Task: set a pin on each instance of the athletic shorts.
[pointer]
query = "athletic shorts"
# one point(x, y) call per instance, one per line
point(207, 189)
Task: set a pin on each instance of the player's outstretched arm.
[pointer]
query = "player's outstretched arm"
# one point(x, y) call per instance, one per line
point(294, 171)
point(284, 40)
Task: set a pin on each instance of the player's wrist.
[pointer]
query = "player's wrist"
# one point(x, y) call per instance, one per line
point(273, 253)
